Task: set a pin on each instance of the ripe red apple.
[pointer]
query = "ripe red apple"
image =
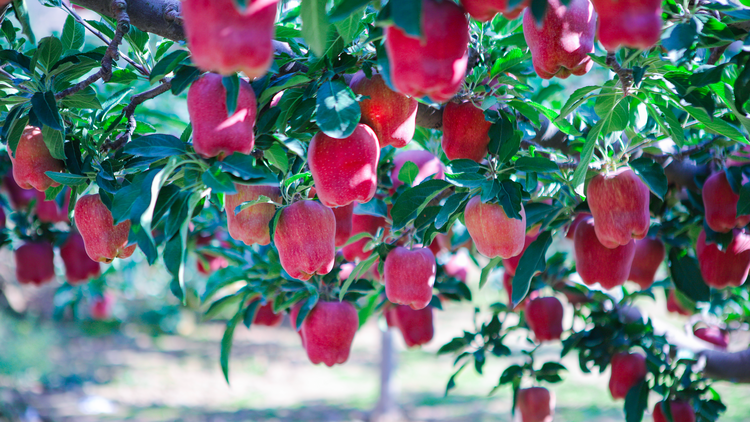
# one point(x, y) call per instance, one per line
point(35, 262)
point(458, 266)
point(215, 133)
point(466, 133)
point(224, 39)
point(433, 65)
point(511, 264)
point(328, 332)
point(49, 211)
point(674, 305)
point(560, 47)
point(720, 203)
point(409, 276)
point(628, 369)
point(725, 268)
point(441, 243)
point(251, 224)
point(619, 203)
point(32, 159)
point(345, 170)
point(209, 263)
point(391, 115)
point(104, 241)
point(536, 404)
point(713, 335)
point(493, 232)
point(2, 218)
point(20, 198)
point(79, 267)
point(416, 325)
point(544, 316)
point(101, 307)
point(265, 316)
point(632, 23)
point(306, 239)
point(344, 222)
point(596, 263)
point(649, 254)
point(681, 411)
point(428, 165)
point(570, 234)
point(485, 10)
point(362, 223)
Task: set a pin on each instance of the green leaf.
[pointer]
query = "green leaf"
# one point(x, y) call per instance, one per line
point(652, 175)
point(636, 402)
point(413, 201)
point(22, 14)
point(680, 37)
point(45, 108)
point(218, 181)
point(84, 99)
point(349, 28)
point(676, 132)
point(408, 173)
point(244, 167)
point(579, 175)
point(54, 139)
point(345, 9)
point(407, 15)
point(509, 196)
point(487, 270)
point(226, 342)
point(717, 126)
point(686, 275)
point(183, 77)
point(68, 179)
point(48, 52)
point(375, 207)
point(250, 312)
point(532, 261)
point(232, 86)
point(168, 64)
point(73, 35)
point(285, 83)
point(337, 109)
point(453, 204)
point(276, 155)
point(155, 146)
point(220, 279)
point(262, 199)
point(314, 25)
point(743, 204)
point(359, 270)
point(536, 165)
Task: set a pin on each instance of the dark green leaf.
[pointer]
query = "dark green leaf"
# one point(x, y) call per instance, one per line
point(226, 343)
point(168, 64)
point(74, 34)
point(413, 201)
point(218, 181)
point(155, 146)
point(532, 261)
point(183, 77)
point(337, 109)
point(45, 108)
point(686, 275)
point(48, 52)
point(54, 140)
point(232, 86)
point(536, 164)
point(407, 15)
point(636, 402)
point(314, 25)
point(652, 175)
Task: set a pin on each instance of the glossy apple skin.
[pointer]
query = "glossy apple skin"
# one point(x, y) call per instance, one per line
point(225, 40)
point(649, 254)
point(32, 159)
point(306, 239)
point(215, 134)
point(536, 404)
point(345, 170)
point(511, 264)
point(674, 306)
point(428, 165)
point(631, 23)
point(466, 133)
point(720, 203)
point(344, 223)
point(251, 225)
point(79, 267)
point(485, 10)
point(560, 47)
point(328, 332)
point(362, 223)
point(417, 326)
point(409, 276)
point(493, 232)
point(713, 335)
point(596, 263)
point(434, 65)
point(544, 316)
point(391, 115)
point(628, 369)
point(20, 198)
point(619, 203)
point(49, 211)
point(681, 411)
point(725, 268)
point(104, 241)
point(35, 262)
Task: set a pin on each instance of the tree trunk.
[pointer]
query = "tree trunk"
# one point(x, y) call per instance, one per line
point(387, 409)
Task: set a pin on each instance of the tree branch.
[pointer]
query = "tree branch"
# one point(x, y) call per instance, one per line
point(625, 75)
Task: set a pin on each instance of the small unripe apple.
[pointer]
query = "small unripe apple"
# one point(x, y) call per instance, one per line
point(728, 267)
point(632, 23)
point(416, 326)
point(104, 241)
point(544, 316)
point(493, 232)
point(511, 264)
point(251, 224)
point(674, 305)
point(391, 115)
point(328, 332)
point(32, 159)
point(628, 369)
point(485, 10)
point(681, 411)
point(596, 263)
point(79, 267)
point(306, 239)
point(619, 203)
point(428, 165)
point(466, 132)
point(101, 307)
point(35, 262)
point(49, 211)
point(536, 404)
point(720, 203)
point(713, 335)
point(649, 254)
point(409, 276)
point(345, 170)
point(362, 223)
point(215, 133)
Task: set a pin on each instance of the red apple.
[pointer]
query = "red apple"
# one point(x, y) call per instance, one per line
point(485, 10)
point(251, 224)
point(681, 411)
point(628, 369)
point(561, 46)
point(328, 332)
point(362, 223)
point(434, 64)
point(391, 115)
point(344, 222)
point(428, 165)
point(458, 266)
point(265, 316)
point(570, 234)
point(209, 263)
point(104, 241)
point(49, 211)
point(713, 335)
point(493, 232)
point(466, 133)
point(511, 264)
point(224, 39)
point(306, 239)
point(101, 307)
point(596, 263)
point(536, 404)
point(409, 276)
point(215, 133)
point(544, 316)
point(35, 262)
point(32, 159)
point(441, 243)
point(720, 203)
point(2, 218)
point(725, 268)
point(674, 305)
point(79, 267)
point(345, 170)
point(508, 285)
point(619, 203)
point(20, 198)
point(416, 325)
point(649, 254)
point(632, 23)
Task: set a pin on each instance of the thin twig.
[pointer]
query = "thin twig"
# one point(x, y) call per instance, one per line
point(626, 75)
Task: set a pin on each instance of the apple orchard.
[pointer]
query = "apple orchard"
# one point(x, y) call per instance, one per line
point(340, 154)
